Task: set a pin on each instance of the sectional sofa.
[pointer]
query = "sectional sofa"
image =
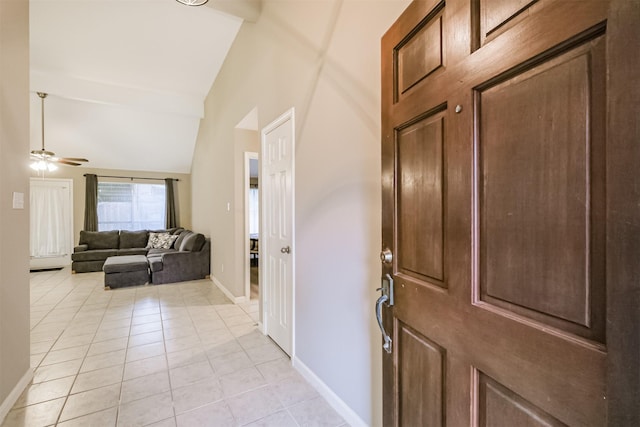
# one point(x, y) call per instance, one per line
point(173, 255)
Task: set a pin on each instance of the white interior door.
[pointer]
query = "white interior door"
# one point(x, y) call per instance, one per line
point(51, 224)
point(276, 233)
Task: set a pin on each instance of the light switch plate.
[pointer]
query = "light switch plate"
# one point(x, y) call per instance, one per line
point(18, 200)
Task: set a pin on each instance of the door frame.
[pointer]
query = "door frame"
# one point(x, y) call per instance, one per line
point(623, 316)
point(248, 156)
point(264, 247)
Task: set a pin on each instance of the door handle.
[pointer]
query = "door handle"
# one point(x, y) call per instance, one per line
point(285, 250)
point(386, 297)
point(387, 339)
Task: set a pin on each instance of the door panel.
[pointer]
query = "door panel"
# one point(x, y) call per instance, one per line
point(420, 199)
point(495, 14)
point(541, 202)
point(423, 397)
point(494, 199)
point(421, 53)
point(499, 406)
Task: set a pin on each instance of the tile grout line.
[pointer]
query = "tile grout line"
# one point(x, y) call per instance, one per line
point(82, 363)
point(166, 360)
point(124, 362)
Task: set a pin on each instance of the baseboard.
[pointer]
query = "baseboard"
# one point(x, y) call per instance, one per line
point(336, 403)
point(227, 293)
point(15, 394)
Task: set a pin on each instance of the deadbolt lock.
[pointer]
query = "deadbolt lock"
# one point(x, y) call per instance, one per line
point(386, 256)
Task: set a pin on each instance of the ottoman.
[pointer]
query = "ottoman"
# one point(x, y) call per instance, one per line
point(128, 270)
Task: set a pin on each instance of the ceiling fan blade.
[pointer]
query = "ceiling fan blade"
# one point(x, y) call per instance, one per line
point(75, 159)
point(65, 162)
point(43, 153)
point(50, 156)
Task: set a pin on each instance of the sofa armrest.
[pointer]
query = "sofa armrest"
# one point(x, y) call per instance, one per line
point(80, 248)
point(196, 261)
point(182, 259)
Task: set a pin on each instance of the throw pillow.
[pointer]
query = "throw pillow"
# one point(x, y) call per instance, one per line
point(160, 240)
point(169, 242)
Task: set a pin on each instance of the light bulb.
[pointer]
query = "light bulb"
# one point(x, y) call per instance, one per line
point(193, 2)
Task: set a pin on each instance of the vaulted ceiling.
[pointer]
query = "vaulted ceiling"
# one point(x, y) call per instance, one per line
point(126, 79)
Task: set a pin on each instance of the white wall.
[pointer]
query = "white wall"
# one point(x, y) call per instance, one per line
point(321, 57)
point(14, 223)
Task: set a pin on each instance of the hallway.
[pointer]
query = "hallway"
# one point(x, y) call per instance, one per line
point(179, 354)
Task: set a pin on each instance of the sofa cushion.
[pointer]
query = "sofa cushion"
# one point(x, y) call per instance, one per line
point(100, 239)
point(159, 251)
point(193, 242)
point(132, 251)
point(133, 239)
point(174, 230)
point(94, 255)
point(125, 264)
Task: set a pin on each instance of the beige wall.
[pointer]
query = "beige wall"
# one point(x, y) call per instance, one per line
point(244, 141)
point(182, 190)
point(322, 58)
point(14, 177)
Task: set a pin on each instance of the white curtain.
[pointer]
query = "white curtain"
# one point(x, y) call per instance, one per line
point(50, 232)
point(254, 218)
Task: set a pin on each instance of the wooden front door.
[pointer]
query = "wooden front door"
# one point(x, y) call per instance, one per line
point(501, 184)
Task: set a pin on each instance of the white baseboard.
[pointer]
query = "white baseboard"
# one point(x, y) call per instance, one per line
point(227, 293)
point(15, 394)
point(336, 403)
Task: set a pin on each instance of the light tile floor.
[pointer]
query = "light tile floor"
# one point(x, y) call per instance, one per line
point(178, 354)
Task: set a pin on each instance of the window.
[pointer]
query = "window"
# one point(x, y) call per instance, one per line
point(130, 206)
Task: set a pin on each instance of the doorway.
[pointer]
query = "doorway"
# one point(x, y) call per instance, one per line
point(252, 226)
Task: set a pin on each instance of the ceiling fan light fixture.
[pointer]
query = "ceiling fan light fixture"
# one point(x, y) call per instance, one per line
point(35, 165)
point(43, 165)
point(192, 2)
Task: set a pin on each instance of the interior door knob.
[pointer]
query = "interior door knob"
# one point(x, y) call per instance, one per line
point(386, 256)
point(285, 250)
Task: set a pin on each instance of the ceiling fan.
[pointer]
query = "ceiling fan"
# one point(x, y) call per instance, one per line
point(43, 159)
